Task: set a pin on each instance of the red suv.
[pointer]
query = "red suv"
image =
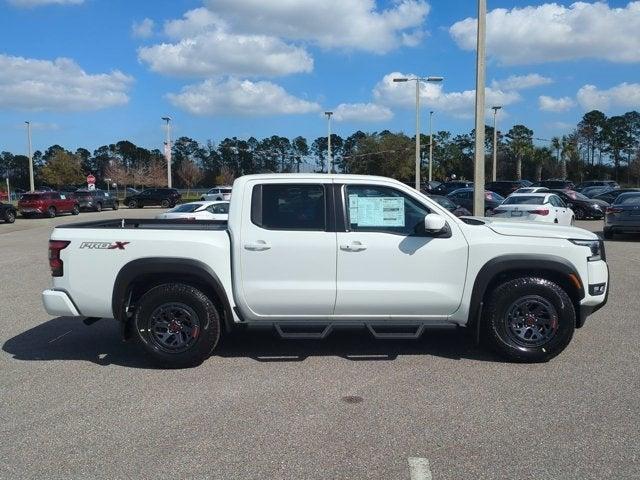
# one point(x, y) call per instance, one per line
point(49, 204)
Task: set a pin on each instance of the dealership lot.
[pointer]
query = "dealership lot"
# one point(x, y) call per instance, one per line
point(76, 402)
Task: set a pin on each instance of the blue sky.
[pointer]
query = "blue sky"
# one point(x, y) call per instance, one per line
point(262, 67)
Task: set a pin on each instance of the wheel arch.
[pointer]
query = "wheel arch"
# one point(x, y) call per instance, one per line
point(139, 276)
point(507, 267)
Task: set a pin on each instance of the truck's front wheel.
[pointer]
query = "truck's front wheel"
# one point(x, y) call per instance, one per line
point(529, 319)
point(177, 324)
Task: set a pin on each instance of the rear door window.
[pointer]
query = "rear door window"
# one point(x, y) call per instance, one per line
point(289, 207)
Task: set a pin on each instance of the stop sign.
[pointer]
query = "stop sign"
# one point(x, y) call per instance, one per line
point(91, 179)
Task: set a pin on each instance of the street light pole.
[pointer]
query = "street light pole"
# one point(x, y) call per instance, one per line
point(494, 174)
point(429, 79)
point(167, 150)
point(478, 177)
point(329, 158)
point(32, 186)
point(431, 145)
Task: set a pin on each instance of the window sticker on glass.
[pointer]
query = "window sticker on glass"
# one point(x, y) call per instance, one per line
point(380, 212)
point(63, 197)
point(353, 208)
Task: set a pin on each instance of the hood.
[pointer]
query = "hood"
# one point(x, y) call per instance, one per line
point(517, 228)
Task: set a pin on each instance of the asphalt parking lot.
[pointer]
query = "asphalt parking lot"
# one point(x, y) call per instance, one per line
point(76, 402)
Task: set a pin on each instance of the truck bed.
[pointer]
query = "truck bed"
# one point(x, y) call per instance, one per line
point(150, 224)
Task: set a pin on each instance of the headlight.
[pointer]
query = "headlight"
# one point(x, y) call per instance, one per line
point(596, 247)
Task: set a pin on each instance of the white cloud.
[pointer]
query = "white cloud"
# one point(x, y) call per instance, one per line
point(550, 104)
point(553, 32)
point(625, 95)
point(143, 29)
point(459, 104)
point(521, 82)
point(348, 24)
point(239, 97)
point(61, 85)
point(38, 3)
point(361, 112)
point(206, 48)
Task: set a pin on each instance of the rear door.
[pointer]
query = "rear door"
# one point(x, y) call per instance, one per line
point(388, 267)
point(287, 250)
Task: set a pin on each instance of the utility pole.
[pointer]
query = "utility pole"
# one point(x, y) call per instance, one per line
point(167, 149)
point(431, 145)
point(478, 176)
point(32, 186)
point(418, 80)
point(494, 174)
point(329, 158)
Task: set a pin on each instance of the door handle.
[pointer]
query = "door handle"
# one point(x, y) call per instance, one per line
point(257, 246)
point(353, 247)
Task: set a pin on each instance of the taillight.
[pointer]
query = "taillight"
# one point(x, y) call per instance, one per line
point(613, 210)
point(54, 256)
point(539, 211)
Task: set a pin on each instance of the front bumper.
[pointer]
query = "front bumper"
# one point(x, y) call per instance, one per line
point(598, 273)
point(59, 304)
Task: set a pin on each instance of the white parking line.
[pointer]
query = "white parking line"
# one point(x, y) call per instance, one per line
point(419, 468)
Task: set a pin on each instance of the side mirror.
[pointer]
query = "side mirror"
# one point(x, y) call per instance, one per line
point(434, 223)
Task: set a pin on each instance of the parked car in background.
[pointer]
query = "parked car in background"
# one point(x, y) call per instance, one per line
point(198, 211)
point(48, 204)
point(583, 207)
point(448, 187)
point(623, 216)
point(428, 187)
point(505, 187)
point(555, 184)
point(217, 194)
point(457, 210)
point(164, 197)
point(464, 197)
point(596, 183)
point(532, 190)
point(536, 207)
point(96, 200)
point(8, 212)
point(611, 195)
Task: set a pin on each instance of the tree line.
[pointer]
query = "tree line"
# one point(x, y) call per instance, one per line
point(599, 147)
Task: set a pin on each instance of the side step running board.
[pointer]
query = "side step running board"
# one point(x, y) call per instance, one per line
point(303, 332)
point(389, 332)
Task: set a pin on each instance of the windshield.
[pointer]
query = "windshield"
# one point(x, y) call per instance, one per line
point(225, 190)
point(524, 200)
point(186, 208)
point(628, 199)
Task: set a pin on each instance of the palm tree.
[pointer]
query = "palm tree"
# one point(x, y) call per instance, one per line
point(555, 143)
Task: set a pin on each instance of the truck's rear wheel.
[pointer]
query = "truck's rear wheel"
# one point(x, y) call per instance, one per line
point(529, 319)
point(177, 324)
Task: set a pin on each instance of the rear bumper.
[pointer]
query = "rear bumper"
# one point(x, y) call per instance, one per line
point(59, 304)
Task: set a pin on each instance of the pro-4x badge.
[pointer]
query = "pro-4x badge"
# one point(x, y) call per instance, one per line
point(104, 245)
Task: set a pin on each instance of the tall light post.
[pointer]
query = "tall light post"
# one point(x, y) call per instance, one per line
point(418, 80)
point(431, 145)
point(329, 158)
point(494, 174)
point(167, 149)
point(478, 171)
point(32, 186)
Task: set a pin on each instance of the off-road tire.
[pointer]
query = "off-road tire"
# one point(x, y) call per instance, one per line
point(496, 320)
point(189, 298)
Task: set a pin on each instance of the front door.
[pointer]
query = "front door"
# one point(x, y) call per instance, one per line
point(388, 267)
point(287, 252)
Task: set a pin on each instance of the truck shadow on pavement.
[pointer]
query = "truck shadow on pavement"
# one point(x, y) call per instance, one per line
point(66, 338)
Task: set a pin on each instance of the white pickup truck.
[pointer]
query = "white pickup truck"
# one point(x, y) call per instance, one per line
point(307, 253)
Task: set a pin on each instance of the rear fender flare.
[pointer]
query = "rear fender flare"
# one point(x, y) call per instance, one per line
point(165, 268)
